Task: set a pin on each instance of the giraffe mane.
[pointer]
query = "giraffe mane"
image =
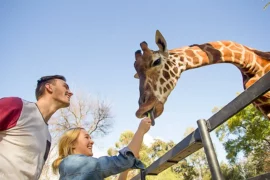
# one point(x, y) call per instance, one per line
point(264, 55)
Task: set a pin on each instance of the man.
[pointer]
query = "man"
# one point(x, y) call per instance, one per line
point(24, 136)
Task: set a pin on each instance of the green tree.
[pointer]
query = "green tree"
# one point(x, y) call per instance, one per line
point(241, 170)
point(198, 160)
point(247, 132)
point(148, 154)
point(185, 170)
point(230, 172)
point(123, 141)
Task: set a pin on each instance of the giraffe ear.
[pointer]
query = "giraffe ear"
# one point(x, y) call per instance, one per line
point(136, 76)
point(161, 42)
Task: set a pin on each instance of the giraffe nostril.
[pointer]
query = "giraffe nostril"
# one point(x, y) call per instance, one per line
point(142, 100)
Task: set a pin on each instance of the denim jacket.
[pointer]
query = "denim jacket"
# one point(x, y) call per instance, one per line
point(81, 167)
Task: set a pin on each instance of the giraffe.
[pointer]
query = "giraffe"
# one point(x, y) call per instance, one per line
point(158, 71)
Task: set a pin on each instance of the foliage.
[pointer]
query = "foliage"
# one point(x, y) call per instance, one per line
point(185, 170)
point(247, 132)
point(148, 154)
point(241, 170)
point(198, 160)
point(230, 172)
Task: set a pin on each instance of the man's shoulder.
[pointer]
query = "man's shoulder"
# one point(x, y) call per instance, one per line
point(14, 101)
point(11, 104)
point(11, 100)
point(10, 111)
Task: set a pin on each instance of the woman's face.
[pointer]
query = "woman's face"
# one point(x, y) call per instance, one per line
point(84, 144)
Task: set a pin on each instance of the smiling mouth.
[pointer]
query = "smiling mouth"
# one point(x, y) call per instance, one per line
point(68, 96)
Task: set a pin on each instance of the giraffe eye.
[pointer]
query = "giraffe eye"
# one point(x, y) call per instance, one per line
point(157, 62)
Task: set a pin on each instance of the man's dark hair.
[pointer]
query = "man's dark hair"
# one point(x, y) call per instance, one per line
point(44, 80)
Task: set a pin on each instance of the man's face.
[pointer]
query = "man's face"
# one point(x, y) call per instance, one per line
point(61, 92)
point(84, 144)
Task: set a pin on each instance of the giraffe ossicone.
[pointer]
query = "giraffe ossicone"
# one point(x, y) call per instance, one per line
point(158, 71)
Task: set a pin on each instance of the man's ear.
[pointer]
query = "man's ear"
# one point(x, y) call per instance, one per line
point(48, 87)
point(136, 76)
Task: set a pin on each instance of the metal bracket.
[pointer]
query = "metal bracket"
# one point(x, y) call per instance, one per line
point(208, 125)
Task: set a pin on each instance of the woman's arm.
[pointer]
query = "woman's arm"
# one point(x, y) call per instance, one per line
point(123, 175)
point(88, 167)
point(136, 142)
point(126, 160)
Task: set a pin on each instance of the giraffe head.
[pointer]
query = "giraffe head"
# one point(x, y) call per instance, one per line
point(158, 75)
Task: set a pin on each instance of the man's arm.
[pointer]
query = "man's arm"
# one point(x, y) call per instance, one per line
point(10, 111)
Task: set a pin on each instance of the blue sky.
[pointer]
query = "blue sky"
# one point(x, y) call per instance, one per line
point(92, 43)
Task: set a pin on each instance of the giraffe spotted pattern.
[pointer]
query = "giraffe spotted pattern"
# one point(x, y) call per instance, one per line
point(159, 71)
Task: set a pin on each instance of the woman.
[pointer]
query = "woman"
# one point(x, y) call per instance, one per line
point(75, 159)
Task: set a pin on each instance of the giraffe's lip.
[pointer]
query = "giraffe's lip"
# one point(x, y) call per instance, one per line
point(143, 111)
point(155, 107)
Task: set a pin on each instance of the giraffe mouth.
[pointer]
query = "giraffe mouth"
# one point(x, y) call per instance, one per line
point(151, 115)
point(152, 109)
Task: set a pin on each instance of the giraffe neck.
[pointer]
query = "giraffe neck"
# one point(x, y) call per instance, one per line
point(195, 56)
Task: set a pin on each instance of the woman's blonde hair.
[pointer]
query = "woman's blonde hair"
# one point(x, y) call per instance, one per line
point(65, 146)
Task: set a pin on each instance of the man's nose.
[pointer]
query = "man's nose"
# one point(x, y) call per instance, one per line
point(91, 141)
point(70, 93)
